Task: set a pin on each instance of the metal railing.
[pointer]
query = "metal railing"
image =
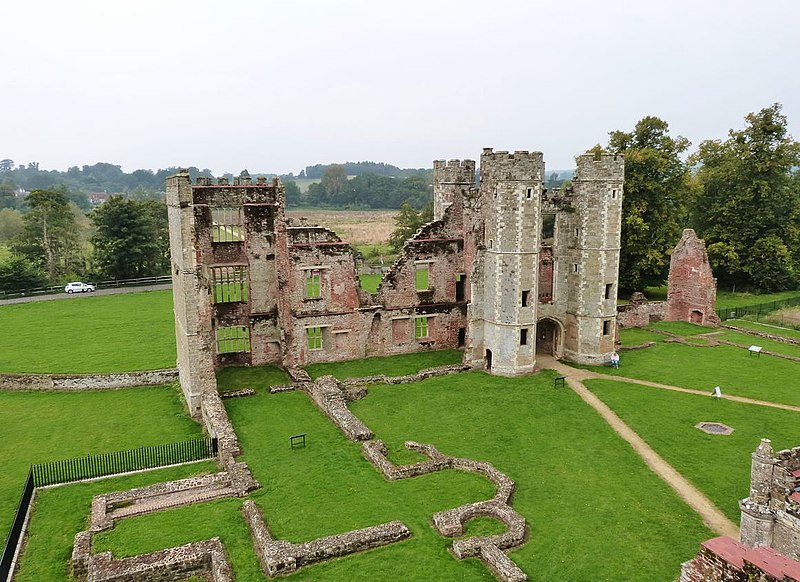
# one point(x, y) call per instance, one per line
point(758, 310)
point(12, 541)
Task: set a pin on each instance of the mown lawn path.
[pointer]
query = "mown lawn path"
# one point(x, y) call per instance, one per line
point(711, 515)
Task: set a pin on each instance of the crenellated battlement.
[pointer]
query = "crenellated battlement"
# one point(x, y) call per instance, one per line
point(521, 165)
point(454, 172)
point(606, 167)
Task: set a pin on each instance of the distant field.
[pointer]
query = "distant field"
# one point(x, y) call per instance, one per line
point(357, 227)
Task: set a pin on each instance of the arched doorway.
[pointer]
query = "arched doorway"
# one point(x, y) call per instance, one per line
point(696, 316)
point(548, 337)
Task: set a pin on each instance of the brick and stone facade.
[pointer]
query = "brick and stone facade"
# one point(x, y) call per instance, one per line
point(692, 288)
point(505, 269)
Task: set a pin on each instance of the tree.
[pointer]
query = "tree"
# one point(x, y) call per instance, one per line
point(654, 205)
point(748, 208)
point(18, 273)
point(49, 238)
point(334, 181)
point(6, 165)
point(293, 195)
point(407, 222)
point(127, 241)
point(7, 197)
point(10, 223)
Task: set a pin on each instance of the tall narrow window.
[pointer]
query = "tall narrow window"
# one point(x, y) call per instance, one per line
point(461, 278)
point(229, 284)
point(525, 298)
point(548, 229)
point(314, 338)
point(614, 193)
point(227, 224)
point(313, 283)
point(422, 276)
point(607, 327)
point(529, 193)
point(420, 327)
point(609, 287)
point(523, 337)
point(233, 340)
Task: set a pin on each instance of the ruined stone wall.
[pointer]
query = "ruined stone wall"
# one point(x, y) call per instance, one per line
point(70, 382)
point(691, 287)
point(450, 179)
point(591, 309)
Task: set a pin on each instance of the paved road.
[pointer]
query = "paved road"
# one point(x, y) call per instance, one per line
point(75, 296)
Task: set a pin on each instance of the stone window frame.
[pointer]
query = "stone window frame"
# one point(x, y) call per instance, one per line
point(423, 266)
point(313, 289)
point(606, 327)
point(525, 300)
point(614, 192)
point(227, 224)
point(609, 290)
point(233, 339)
point(314, 337)
point(523, 336)
point(229, 284)
point(422, 324)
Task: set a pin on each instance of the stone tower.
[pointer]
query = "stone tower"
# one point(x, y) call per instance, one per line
point(450, 179)
point(503, 308)
point(593, 269)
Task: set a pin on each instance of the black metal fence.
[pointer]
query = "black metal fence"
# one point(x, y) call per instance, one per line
point(758, 310)
point(92, 466)
point(12, 541)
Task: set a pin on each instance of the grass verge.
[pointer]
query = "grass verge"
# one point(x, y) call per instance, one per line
point(400, 365)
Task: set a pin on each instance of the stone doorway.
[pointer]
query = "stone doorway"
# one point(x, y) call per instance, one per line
point(374, 341)
point(696, 317)
point(547, 337)
point(488, 360)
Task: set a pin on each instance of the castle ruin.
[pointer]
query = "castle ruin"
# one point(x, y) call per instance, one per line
point(506, 270)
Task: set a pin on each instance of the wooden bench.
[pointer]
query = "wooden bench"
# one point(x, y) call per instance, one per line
point(297, 440)
point(559, 381)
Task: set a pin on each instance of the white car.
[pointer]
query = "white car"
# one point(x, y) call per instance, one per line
point(78, 287)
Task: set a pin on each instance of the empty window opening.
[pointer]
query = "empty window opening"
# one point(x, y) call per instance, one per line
point(577, 232)
point(314, 338)
point(227, 224)
point(528, 193)
point(525, 298)
point(462, 336)
point(421, 327)
point(461, 279)
point(607, 327)
point(232, 340)
point(491, 243)
point(548, 229)
point(313, 283)
point(422, 277)
point(613, 193)
point(229, 284)
point(523, 337)
point(609, 287)
point(574, 267)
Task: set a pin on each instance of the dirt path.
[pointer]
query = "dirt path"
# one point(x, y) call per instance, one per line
point(711, 515)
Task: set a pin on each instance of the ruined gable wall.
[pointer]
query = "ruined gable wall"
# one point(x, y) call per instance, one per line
point(691, 287)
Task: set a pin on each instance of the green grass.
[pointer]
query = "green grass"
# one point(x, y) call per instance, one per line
point(62, 512)
point(576, 483)
point(770, 345)
point(681, 328)
point(635, 336)
point(764, 378)
point(729, 299)
point(240, 377)
point(771, 329)
point(718, 465)
point(400, 365)
point(370, 281)
point(37, 427)
point(104, 333)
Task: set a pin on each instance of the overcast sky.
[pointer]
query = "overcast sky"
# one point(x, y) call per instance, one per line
point(278, 85)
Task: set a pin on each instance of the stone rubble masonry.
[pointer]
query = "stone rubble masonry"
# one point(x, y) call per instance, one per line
point(451, 522)
point(639, 312)
point(691, 287)
point(217, 423)
point(238, 393)
point(281, 557)
point(328, 394)
point(771, 512)
point(205, 559)
point(87, 381)
point(723, 559)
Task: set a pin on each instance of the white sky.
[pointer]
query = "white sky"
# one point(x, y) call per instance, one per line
point(277, 85)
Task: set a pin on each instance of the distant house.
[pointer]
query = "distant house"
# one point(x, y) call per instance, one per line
point(21, 193)
point(97, 198)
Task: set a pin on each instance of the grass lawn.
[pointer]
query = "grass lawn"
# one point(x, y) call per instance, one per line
point(240, 377)
point(765, 328)
point(370, 282)
point(718, 465)
point(770, 345)
point(681, 328)
point(400, 365)
point(61, 512)
point(764, 378)
point(37, 427)
point(636, 336)
point(104, 333)
point(728, 299)
point(619, 514)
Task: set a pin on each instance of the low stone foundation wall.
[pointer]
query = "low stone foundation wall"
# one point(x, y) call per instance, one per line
point(763, 334)
point(451, 522)
point(329, 396)
point(70, 382)
point(281, 557)
point(217, 423)
point(640, 314)
point(206, 559)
